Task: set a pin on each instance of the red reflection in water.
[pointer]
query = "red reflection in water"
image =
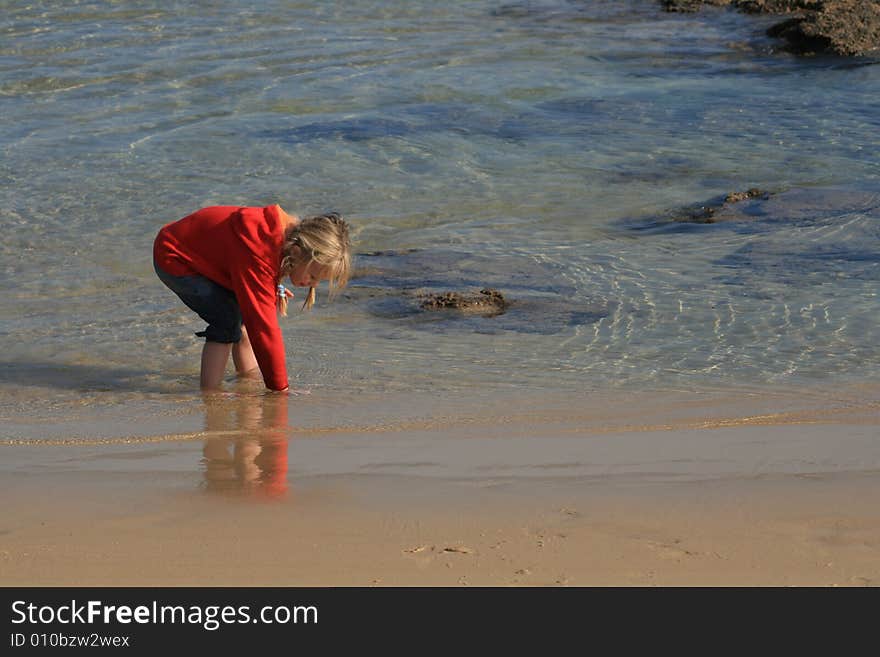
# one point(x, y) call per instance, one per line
point(246, 452)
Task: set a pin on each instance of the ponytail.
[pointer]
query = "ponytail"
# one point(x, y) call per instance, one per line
point(310, 299)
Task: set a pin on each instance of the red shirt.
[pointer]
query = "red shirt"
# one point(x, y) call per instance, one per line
point(240, 249)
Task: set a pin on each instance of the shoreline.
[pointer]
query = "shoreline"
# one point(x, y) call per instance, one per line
point(655, 490)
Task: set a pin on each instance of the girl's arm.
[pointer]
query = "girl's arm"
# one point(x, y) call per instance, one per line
point(255, 290)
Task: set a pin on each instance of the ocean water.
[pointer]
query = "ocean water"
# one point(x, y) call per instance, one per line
point(540, 148)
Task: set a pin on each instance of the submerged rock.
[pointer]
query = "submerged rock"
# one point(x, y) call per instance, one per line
point(794, 206)
point(488, 301)
point(844, 27)
point(712, 211)
point(444, 290)
point(736, 197)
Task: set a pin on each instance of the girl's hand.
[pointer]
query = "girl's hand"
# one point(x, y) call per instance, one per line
point(293, 391)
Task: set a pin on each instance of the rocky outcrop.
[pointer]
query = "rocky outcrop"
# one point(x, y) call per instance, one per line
point(791, 207)
point(740, 206)
point(691, 5)
point(488, 301)
point(440, 290)
point(844, 27)
point(711, 212)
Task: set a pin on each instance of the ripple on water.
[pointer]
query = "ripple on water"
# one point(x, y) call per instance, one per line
point(504, 142)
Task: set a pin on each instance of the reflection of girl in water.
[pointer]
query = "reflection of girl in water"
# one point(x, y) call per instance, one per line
point(254, 461)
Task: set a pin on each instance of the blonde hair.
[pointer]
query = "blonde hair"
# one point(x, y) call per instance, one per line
point(322, 239)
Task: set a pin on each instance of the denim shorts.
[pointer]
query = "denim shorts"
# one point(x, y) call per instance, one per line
point(212, 302)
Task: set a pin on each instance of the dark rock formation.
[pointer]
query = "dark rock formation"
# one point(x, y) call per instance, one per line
point(754, 192)
point(734, 206)
point(807, 206)
point(691, 5)
point(437, 290)
point(775, 6)
point(711, 212)
point(488, 301)
point(852, 27)
point(844, 27)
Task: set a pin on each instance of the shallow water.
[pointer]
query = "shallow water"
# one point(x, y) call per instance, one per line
point(536, 147)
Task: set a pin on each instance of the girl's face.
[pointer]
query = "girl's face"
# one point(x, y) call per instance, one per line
point(308, 274)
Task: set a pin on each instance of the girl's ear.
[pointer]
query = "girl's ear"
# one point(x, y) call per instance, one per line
point(297, 253)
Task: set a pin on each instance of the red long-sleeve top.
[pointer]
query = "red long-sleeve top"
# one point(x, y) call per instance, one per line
point(240, 249)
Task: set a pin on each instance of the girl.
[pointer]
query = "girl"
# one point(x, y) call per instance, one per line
point(227, 264)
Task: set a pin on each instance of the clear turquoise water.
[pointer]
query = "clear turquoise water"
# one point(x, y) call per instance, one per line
point(529, 146)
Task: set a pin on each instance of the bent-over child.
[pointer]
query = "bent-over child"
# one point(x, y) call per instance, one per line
point(227, 264)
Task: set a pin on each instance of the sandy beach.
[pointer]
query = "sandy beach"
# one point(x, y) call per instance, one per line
point(662, 490)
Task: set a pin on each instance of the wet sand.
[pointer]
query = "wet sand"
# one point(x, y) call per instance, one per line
point(643, 490)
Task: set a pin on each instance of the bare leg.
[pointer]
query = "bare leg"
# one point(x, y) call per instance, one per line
point(243, 357)
point(215, 355)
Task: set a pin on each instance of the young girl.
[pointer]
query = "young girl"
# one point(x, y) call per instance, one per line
point(227, 264)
